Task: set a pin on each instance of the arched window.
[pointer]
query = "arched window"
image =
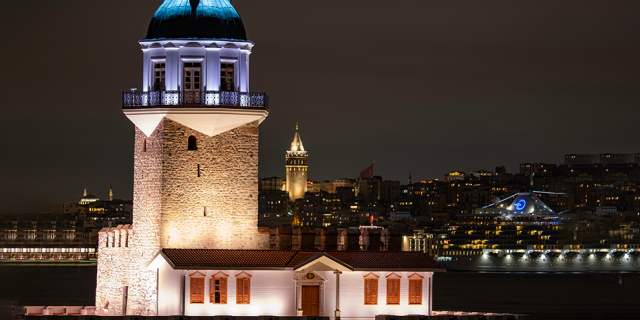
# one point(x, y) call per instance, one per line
point(192, 143)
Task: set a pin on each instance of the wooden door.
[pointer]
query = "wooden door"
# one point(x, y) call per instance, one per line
point(311, 300)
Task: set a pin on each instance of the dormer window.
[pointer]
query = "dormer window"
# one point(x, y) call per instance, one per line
point(159, 73)
point(226, 77)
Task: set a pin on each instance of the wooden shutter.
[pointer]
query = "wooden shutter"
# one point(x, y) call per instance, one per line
point(393, 291)
point(238, 290)
point(223, 290)
point(197, 290)
point(370, 291)
point(243, 288)
point(415, 291)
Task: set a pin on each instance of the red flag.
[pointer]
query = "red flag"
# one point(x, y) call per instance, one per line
point(367, 173)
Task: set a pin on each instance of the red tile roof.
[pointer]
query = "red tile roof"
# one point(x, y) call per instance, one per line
point(386, 259)
point(280, 259)
point(228, 258)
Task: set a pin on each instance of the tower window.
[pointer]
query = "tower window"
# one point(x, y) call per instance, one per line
point(192, 143)
point(144, 145)
point(227, 76)
point(192, 71)
point(199, 174)
point(159, 73)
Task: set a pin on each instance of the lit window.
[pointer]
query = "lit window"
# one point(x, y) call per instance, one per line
point(158, 83)
point(192, 77)
point(218, 288)
point(226, 77)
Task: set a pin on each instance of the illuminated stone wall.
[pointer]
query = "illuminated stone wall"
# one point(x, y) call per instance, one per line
point(210, 195)
point(204, 198)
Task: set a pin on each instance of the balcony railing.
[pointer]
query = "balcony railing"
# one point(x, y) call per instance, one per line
point(136, 99)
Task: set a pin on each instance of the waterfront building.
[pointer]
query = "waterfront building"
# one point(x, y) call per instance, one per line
point(194, 243)
point(521, 233)
point(46, 238)
point(196, 151)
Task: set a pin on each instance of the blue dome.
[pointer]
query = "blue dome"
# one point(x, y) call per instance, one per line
point(196, 19)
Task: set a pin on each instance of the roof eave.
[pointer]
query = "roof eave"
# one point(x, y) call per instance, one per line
point(401, 269)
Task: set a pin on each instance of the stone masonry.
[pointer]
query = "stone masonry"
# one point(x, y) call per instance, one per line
point(204, 198)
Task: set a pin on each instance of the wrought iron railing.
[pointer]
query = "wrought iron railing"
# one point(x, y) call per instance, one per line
point(179, 98)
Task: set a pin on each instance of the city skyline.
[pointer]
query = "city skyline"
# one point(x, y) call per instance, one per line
point(466, 88)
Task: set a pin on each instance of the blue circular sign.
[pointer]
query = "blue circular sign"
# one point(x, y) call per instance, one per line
point(520, 204)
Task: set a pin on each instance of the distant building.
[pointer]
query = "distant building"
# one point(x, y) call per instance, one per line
point(604, 158)
point(345, 183)
point(481, 173)
point(369, 188)
point(399, 215)
point(535, 168)
point(274, 220)
point(87, 198)
point(272, 183)
point(455, 176)
point(272, 202)
point(296, 166)
point(601, 211)
point(424, 242)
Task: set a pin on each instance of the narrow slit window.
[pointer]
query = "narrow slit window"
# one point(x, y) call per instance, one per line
point(198, 171)
point(144, 145)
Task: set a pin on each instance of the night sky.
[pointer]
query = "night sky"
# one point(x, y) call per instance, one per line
point(421, 87)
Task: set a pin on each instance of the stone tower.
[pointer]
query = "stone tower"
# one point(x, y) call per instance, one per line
point(296, 168)
point(196, 151)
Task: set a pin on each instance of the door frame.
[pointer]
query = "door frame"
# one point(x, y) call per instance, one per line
point(319, 281)
point(310, 286)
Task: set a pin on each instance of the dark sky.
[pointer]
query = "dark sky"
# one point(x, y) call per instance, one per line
point(419, 86)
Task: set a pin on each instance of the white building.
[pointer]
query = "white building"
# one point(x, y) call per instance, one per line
point(345, 284)
point(601, 211)
point(398, 215)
